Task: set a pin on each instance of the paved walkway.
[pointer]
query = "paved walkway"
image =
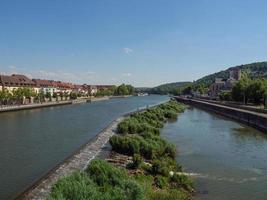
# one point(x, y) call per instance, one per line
point(78, 161)
point(232, 108)
point(235, 105)
point(31, 106)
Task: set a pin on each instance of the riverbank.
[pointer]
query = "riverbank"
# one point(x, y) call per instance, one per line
point(33, 106)
point(55, 103)
point(79, 160)
point(251, 118)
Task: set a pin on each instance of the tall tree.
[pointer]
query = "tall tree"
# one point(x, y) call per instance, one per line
point(240, 90)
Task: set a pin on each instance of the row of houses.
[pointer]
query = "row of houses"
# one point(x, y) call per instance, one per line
point(16, 81)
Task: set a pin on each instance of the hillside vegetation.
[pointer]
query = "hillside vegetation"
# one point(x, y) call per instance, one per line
point(253, 71)
point(165, 88)
point(257, 70)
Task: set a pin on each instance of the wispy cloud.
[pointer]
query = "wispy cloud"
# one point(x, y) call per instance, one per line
point(127, 74)
point(78, 77)
point(61, 75)
point(127, 50)
point(90, 73)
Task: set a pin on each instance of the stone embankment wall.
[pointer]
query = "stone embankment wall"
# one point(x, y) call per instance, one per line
point(254, 119)
point(236, 105)
point(33, 106)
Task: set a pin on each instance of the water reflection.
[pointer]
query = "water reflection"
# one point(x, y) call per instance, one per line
point(248, 133)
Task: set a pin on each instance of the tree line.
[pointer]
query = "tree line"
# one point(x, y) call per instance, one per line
point(20, 95)
point(247, 91)
point(116, 91)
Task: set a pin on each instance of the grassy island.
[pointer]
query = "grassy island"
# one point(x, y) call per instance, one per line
point(151, 174)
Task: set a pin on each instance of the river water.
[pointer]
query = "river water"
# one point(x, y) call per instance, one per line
point(33, 141)
point(228, 159)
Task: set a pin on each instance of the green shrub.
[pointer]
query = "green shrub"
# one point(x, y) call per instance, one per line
point(128, 145)
point(149, 146)
point(161, 182)
point(133, 190)
point(170, 150)
point(102, 181)
point(183, 181)
point(158, 167)
point(76, 186)
point(137, 160)
point(164, 165)
point(103, 173)
point(170, 114)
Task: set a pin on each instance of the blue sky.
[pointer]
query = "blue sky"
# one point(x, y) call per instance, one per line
point(141, 42)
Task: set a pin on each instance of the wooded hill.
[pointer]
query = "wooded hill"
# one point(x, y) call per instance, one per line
point(169, 87)
point(253, 70)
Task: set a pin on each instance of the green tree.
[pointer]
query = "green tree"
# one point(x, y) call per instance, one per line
point(73, 95)
point(48, 95)
point(54, 95)
point(240, 90)
point(130, 89)
point(66, 95)
point(41, 96)
point(187, 90)
point(256, 91)
point(122, 90)
point(17, 95)
point(5, 96)
point(225, 96)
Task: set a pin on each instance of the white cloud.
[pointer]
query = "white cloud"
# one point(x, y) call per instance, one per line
point(127, 50)
point(127, 74)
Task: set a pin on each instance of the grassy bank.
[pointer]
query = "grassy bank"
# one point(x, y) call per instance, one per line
point(151, 174)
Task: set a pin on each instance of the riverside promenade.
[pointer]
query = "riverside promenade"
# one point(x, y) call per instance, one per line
point(10, 108)
point(79, 160)
point(32, 106)
point(252, 118)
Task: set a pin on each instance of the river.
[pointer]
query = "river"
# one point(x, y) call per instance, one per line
point(228, 159)
point(34, 141)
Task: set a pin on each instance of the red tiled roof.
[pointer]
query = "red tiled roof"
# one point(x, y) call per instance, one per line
point(43, 83)
point(16, 80)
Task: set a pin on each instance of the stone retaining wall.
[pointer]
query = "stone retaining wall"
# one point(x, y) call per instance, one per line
point(254, 119)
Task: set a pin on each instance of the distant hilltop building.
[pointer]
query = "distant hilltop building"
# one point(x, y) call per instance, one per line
point(235, 73)
point(221, 84)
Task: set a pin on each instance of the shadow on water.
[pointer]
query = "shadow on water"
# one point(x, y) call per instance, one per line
point(245, 132)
